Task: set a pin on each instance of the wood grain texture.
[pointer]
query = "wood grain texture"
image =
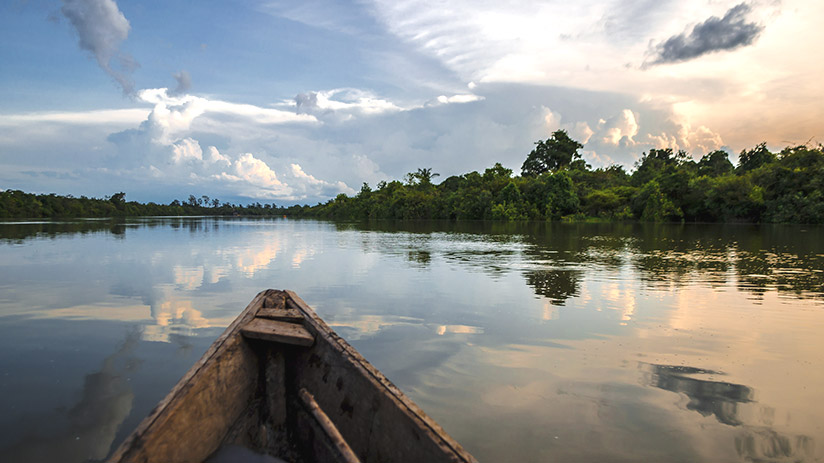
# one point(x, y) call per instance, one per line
point(277, 331)
point(247, 391)
point(282, 314)
point(379, 422)
point(192, 420)
point(329, 428)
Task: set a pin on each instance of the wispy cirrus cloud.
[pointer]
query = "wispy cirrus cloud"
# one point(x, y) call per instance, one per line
point(94, 117)
point(733, 30)
point(332, 15)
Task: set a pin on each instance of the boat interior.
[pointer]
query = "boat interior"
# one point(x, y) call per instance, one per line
point(280, 385)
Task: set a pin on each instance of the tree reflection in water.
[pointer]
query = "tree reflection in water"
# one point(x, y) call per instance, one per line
point(555, 285)
point(706, 397)
point(465, 301)
point(723, 400)
point(756, 258)
point(765, 445)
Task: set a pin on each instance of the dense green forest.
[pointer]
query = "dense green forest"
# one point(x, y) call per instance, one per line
point(555, 184)
point(17, 204)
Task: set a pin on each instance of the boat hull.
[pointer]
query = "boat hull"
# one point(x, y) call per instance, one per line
point(262, 387)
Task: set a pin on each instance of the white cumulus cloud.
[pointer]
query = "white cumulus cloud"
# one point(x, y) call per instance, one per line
point(581, 132)
point(342, 103)
point(620, 129)
point(256, 172)
point(186, 150)
point(168, 146)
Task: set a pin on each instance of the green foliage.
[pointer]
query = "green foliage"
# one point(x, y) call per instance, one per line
point(423, 177)
point(734, 198)
point(119, 200)
point(654, 205)
point(17, 204)
point(754, 158)
point(509, 205)
point(793, 186)
point(551, 154)
point(665, 186)
point(561, 198)
point(715, 164)
point(656, 163)
point(609, 203)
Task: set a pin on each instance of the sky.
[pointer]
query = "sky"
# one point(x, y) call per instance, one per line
point(297, 101)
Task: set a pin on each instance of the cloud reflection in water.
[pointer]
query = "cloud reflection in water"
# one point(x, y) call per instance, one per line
point(510, 335)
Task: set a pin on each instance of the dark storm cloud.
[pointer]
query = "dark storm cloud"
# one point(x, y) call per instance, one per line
point(714, 34)
point(101, 28)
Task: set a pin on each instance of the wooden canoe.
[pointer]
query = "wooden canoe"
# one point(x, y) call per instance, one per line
point(280, 382)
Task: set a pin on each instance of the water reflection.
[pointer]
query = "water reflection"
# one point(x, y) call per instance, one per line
point(175, 317)
point(419, 258)
point(664, 255)
point(509, 334)
point(19, 232)
point(755, 258)
point(555, 285)
point(717, 398)
point(723, 400)
point(766, 445)
point(90, 426)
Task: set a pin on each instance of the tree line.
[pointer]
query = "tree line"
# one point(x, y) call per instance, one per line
point(555, 184)
point(18, 204)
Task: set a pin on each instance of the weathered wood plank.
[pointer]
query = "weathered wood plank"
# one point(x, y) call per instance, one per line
point(329, 428)
point(208, 399)
point(276, 331)
point(274, 300)
point(378, 421)
point(284, 315)
point(254, 393)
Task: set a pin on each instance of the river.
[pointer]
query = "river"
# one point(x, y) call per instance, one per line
point(527, 342)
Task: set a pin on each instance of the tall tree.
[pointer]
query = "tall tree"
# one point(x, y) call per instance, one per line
point(422, 177)
point(715, 164)
point(755, 158)
point(551, 154)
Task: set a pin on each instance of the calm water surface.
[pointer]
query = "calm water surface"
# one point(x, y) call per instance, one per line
point(529, 343)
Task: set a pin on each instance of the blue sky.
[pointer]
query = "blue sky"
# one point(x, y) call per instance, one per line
point(298, 101)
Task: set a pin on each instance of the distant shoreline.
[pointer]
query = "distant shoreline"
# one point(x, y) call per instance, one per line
point(766, 187)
